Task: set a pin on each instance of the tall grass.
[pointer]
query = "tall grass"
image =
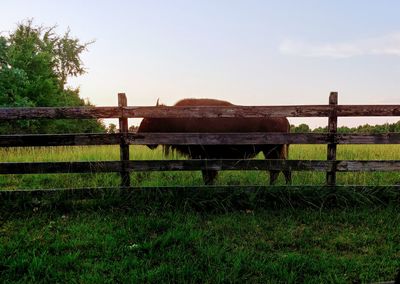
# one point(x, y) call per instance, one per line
point(138, 241)
point(110, 153)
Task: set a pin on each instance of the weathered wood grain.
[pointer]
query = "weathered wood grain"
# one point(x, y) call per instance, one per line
point(368, 110)
point(255, 138)
point(124, 146)
point(258, 138)
point(29, 140)
point(368, 166)
point(251, 138)
point(191, 165)
point(161, 165)
point(383, 138)
point(59, 112)
point(332, 130)
point(197, 112)
point(60, 167)
point(228, 112)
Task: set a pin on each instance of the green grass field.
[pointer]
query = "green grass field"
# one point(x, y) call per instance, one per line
point(109, 153)
point(148, 240)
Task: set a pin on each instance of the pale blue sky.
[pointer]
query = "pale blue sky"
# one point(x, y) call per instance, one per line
point(247, 52)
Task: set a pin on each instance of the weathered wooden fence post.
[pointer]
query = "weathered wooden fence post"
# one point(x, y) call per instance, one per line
point(124, 146)
point(332, 145)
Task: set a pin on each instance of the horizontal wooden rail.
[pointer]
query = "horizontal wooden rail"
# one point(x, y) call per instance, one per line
point(382, 138)
point(258, 138)
point(197, 112)
point(29, 140)
point(368, 110)
point(59, 112)
point(255, 138)
point(191, 165)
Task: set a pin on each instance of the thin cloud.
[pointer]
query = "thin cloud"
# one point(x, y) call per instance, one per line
point(384, 45)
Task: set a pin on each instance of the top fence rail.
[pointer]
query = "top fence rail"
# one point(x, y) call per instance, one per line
point(199, 111)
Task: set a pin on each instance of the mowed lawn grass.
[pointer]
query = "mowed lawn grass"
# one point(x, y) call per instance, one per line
point(87, 243)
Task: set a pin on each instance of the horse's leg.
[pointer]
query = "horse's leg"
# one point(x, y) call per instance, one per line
point(209, 176)
point(272, 153)
point(288, 177)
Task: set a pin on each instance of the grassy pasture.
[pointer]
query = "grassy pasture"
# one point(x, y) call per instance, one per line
point(100, 242)
point(109, 153)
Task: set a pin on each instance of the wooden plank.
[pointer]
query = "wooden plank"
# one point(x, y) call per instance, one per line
point(161, 165)
point(332, 146)
point(262, 111)
point(228, 112)
point(368, 166)
point(197, 112)
point(25, 140)
point(254, 138)
point(259, 138)
point(221, 165)
point(59, 112)
point(384, 138)
point(124, 146)
point(191, 165)
point(60, 167)
point(368, 110)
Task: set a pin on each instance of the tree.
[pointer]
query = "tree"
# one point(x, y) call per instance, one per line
point(112, 128)
point(302, 128)
point(35, 64)
point(133, 128)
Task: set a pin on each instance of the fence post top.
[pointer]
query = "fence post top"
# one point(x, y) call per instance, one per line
point(333, 98)
point(122, 100)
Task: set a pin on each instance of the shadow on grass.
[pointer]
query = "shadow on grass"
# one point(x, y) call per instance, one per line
point(207, 199)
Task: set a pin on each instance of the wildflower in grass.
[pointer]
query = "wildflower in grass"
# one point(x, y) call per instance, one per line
point(133, 246)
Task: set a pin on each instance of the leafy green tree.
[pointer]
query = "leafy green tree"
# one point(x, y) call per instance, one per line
point(112, 128)
point(302, 128)
point(35, 64)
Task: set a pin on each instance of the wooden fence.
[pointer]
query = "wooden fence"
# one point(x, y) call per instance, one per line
point(124, 166)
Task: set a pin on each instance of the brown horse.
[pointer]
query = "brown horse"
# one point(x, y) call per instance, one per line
point(221, 125)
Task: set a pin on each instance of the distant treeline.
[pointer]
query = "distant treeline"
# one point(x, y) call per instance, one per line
point(304, 128)
point(366, 128)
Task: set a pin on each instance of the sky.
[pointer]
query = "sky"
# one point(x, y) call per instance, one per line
point(247, 52)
